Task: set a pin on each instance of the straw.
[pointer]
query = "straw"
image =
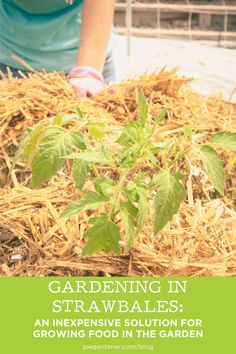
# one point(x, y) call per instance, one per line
point(35, 241)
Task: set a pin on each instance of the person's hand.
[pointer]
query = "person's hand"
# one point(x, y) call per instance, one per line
point(86, 81)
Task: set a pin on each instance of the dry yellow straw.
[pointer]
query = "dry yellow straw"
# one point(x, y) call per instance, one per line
point(200, 240)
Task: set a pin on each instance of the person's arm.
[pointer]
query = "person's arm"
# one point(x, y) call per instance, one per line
point(97, 19)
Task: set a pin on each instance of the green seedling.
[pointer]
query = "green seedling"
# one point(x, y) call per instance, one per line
point(124, 197)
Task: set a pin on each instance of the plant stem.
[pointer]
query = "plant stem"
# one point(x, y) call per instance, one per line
point(164, 159)
point(179, 157)
point(117, 194)
point(95, 171)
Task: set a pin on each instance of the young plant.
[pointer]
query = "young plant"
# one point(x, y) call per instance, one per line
point(124, 196)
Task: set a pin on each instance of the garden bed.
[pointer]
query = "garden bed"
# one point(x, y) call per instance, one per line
point(200, 240)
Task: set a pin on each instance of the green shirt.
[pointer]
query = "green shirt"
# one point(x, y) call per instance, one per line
point(43, 33)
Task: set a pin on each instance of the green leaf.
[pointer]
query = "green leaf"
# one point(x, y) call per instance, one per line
point(131, 192)
point(198, 136)
point(62, 119)
point(161, 116)
point(142, 208)
point(107, 156)
point(167, 201)
point(20, 150)
point(95, 132)
point(88, 156)
point(57, 120)
point(31, 145)
point(225, 141)
point(78, 140)
point(132, 133)
point(80, 170)
point(140, 180)
point(178, 175)
point(142, 108)
point(159, 147)
point(79, 113)
point(104, 235)
point(123, 140)
point(131, 208)
point(188, 132)
point(48, 159)
point(129, 225)
point(213, 167)
point(90, 200)
point(102, 184)
point(96, 123)
point(131, 185)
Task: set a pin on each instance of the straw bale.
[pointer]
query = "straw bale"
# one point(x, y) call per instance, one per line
point(35, 241)
point(200, 240)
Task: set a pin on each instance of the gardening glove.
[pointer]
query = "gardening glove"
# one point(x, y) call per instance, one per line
point(86, 81)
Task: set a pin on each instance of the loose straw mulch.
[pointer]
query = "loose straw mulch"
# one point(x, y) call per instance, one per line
point(35, 241)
